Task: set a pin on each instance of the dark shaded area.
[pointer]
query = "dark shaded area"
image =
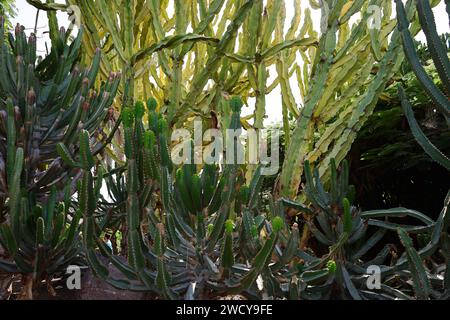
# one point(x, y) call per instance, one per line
point(388, 166)
point(390, 169)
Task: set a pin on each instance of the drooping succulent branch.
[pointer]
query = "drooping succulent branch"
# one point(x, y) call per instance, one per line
point(439, 54)
point(442, 63)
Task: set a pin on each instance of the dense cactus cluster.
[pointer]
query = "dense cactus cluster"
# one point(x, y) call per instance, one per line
point(207, 236)
point(70, 172)
point(41, 240)
point(342, 72)
point(44, 102)
point(207, 35)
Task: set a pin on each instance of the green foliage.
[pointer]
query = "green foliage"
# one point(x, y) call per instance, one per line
point(182, 45)
point(348, 241)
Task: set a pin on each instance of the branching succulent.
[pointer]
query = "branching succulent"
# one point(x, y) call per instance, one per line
point(44, 102)
point(200, 231)
point(440, 237)
point(8, 10)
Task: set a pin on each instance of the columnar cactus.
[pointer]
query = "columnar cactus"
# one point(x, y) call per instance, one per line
point(351, 69)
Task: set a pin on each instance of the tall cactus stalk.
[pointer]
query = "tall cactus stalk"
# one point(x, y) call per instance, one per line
point(351, 68)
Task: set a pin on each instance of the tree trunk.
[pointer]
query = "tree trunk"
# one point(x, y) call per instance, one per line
point(27, 288)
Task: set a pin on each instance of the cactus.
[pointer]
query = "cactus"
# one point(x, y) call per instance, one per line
point(151, 43)
point(342, 93)
point(440, 237)
point(40, 240)
point(198, 240)
point(45, 102)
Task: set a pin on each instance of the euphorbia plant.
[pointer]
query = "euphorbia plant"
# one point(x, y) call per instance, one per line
point(44, 102)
